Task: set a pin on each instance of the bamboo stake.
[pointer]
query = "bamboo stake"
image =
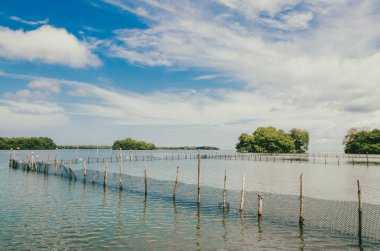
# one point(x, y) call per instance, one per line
point(176, 183)
point(199, 179)
point(260, 204)
point(105, 174)
point(120, 175)
point(360, 212)
point(242, 194)
point(302, 213)
point(145, 182)
point(84, 170)
point(32, 161)
point(224, 189)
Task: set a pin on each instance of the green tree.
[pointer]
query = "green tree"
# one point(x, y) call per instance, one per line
point(301, 140)
point(245, 143)
point(362, 141)
point(272, 140)
point(131, 144)
point(41, 143)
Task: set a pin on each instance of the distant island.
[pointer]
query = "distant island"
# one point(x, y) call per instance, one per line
point(362, 141)
point(23, 143)
point(271, 140)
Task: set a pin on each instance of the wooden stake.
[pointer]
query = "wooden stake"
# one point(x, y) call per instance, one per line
point(120, 167)
point(145, 182)
point(360, 212)
point(242, 194)
point(84, 170)
point(176, 183)
point(302, 213)
point(224, 189)
point(199, 179)
point(260, 204)
point(105, 174)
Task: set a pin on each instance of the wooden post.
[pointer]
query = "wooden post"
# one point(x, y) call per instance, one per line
point(84, 170)
point(120, 175)
point(260, 204)
point(242, 194)
point(302, 213)
point(360, 212)
point(176, 183)
point(199, 179)
point(105, 174)
point(224, 189)
point(93, 177)
point(145, 182)
point(32, 161)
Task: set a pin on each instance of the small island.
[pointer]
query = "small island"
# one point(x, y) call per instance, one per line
point(362, 141)
point(271, 140)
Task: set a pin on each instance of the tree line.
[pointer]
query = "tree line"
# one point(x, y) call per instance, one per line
point(272, 140)
point(23, 143)
point(362, 141)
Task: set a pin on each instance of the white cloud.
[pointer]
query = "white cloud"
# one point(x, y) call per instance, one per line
point(18, 19)
point(315, 61)
point(46, 44)
point(47, 85)
point(206, 77)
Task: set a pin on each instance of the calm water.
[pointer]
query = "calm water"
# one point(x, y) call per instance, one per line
point(49, 212)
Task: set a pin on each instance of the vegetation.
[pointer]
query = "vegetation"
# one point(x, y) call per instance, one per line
point(271, 140)
point(22, 143)
point(362, 141)
point(84, 147)
point(131, 144)
point(188, 148)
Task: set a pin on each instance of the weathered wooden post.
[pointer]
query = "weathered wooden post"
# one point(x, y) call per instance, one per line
point(120, 175)
point(302, 213)
point(242, 194)
point(360, 212)
point(199, 179)
point(260, 204)
point(145, 182)
point(105, 175)
point(176, 183)
point(84, 170)
point(32, 161)
point(224, 190)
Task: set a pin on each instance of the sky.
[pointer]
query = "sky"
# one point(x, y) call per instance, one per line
point(189, 72)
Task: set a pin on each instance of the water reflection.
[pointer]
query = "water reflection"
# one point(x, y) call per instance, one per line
point(198, 228)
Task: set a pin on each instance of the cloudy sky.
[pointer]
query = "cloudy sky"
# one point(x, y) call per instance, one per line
point(189, 72)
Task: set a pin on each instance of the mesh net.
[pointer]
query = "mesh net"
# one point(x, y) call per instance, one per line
point(338, 216)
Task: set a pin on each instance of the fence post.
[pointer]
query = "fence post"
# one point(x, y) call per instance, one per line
point(199, 179)
point(84, 170)
point(360, 212)
point(105, 175)
point(242, 194)
point(176, 183)
point(302, 213)
point(120, 167)
point(145, 182)
point(224, 189)
point(260, 204)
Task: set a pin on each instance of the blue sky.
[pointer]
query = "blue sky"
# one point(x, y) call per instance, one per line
point(188, 72)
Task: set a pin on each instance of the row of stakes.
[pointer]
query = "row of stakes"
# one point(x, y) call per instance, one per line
point(71, 173)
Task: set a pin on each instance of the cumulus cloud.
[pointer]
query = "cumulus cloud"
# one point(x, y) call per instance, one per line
point(315, 61)
point(46, 44)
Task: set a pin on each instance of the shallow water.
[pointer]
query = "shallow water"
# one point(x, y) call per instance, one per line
point(50, 212)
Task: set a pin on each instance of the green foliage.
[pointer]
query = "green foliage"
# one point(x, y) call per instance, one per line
point(362, 142)
point(33, 143)
point(271, 140)
point(301, 140)
point(131, 144)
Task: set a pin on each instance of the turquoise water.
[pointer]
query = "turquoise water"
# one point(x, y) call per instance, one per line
point(50, 212)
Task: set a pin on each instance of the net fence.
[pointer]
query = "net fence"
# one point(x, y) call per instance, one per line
point(338, 216)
